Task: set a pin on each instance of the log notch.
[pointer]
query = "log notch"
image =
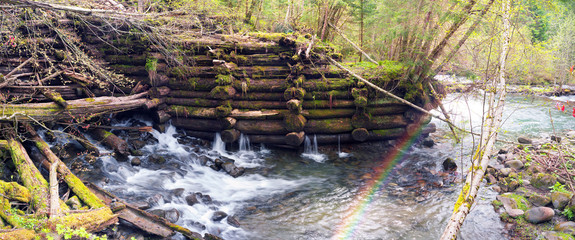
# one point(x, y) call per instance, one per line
point(295, 138)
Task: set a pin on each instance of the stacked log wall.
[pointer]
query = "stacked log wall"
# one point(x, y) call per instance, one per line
point(268, 90)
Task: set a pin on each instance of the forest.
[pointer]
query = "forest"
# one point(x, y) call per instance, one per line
point(287, 119)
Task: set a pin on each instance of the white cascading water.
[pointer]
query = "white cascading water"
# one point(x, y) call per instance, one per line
point(311, 151)
point(183, 171)
point(244, 142)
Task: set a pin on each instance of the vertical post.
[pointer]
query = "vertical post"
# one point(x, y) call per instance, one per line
point(54, 196)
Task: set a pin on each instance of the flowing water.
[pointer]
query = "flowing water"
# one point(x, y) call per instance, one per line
point(286, 194)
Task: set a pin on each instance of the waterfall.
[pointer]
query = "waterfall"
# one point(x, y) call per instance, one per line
point(245, 143)
point(218, 145)
point(339, 152)
point(311, 151)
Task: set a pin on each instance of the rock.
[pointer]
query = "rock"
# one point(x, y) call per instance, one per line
point(512, 185)
point(428, 142)
point(503, 150)
point(524, 140)
point(156, 200)
point(141, 205)
point(501, 157)
point(539, 200)
point(157, 159)
point(206, 199)
point(218, 162)
point(566, 227)
point(539, 214)
point(543, 181)
point(497, 189)
point(560, 199)
point(136, 161)
point(204, 160)
point(505, 171)
point(515, 213)
point(233, 221)
point(232, 169)
point(192, 199)
point(515, 164)
point(218, 216)
point(173, 215)
point(137, 144)
point(449, 165)
point(570, 134)
point(178, 192)
point(136, 152)
point(196, 224)
point(159, 212)
point(552, 235)
point(491, 179)
point(556, 139)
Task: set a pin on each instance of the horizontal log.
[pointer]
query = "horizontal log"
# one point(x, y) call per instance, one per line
point(198, 124)
point(109, 139)
point(333, 138)
point(257, 114)
point(326, 95)
point(268, 139)
point(294, 138)
point(328, 84)
point(263, 127)
point(379, 122)
point(77, 109)
point(201, 134)
point(129, 70)
point(255, 72)
point(243, 60)
point(246, 46)
point(334, 125)
point(193, 83)
point(386, 134)
point(194, 102)
point(387, 110)
point(328, 113)
point(262, 85)
point(274, 96)
point(230, 135)
point(316, 104)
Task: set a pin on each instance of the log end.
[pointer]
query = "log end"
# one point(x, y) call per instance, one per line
point(360, 134)
point(230, 135)
point(295, 138)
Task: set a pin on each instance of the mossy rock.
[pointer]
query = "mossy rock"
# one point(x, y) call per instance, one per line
point(294, 93)
point(543, 181)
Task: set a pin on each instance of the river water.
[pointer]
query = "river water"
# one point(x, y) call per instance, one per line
point(311, 193)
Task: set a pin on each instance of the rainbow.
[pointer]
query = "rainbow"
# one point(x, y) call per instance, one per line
point(363, 199)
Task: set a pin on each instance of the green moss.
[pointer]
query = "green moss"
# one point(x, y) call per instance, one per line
point(151, 64)
point(294, 122)
point(223, 111)
point(224, 80)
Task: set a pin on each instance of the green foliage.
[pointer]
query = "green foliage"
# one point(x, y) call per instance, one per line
point(69, 233)
point(558, 187)
point(568, 213)
point(151, 64)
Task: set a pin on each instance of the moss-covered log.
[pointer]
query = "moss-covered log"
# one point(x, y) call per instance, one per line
point(294, 122)
point(211, 113)
point(201, 134)
point(294, 93)
point(93, 220)
point(243, 60)
point(389, 110)
point(73, 182)
point(333, 138)
point(294, 105)
point(261, 127)
point(315, 104)
point(255, 72)
point(386, 134)
point(30, 176)
point(378, 122)
point(77, 110)
point(278, 140)
point(333, 125)
point(258, 96)
point(261, 85)
point(326, 95)
point(257, 114)
point(194, 102)
point(20, 234)
point(328, 113)
point(328, 84)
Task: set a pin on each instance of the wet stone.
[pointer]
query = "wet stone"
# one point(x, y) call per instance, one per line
point(141, 205)
point(539, 214)
point(173, 215)
point(428, 142)
point(137, 144)
point(233, 221)
point(566, 227)
point(156, 200)
point(196, 225)
point(524, 140)
point(208, 236)
point(178, 192)
point(204, 160)
point(218, 216)
point(156, 159)
point(506, 171)
point(551, 235)
point(136, 161)
point(159, 212)
point(192, 199)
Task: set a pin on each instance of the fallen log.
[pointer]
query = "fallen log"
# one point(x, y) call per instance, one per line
point(77, 110)
point(141, 219)
point(21, 234)
point(30, 176)
point(120, 146)
point(73, 182)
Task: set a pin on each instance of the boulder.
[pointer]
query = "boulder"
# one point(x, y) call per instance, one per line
point(159, 212)
point(137, 143)
point(505, 171)
point(539, 200)
point(218, 216)
point(156, 200)
point(566, 227)
point(524, 140)
point(570, 134)
point(552, 235)
point(178, 192)
point(556, 139)
point(208, 236)
point(74, 203)
point(560, 199)
point(539, 214)
point(232, 169)
point(543, 181)
point(515, 164)
point(204, 160)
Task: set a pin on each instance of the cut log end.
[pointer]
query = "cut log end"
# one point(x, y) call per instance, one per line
point(295, 138)
point(230, 135)
point(360, 134)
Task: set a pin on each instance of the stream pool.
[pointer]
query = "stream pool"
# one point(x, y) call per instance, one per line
point(287, 194)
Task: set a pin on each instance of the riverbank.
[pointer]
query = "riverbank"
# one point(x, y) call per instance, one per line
point(534, 179)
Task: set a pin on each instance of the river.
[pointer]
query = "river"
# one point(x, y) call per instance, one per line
point(388, 190)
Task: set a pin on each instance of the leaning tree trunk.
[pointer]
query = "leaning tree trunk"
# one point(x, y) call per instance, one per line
point(492, 121)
